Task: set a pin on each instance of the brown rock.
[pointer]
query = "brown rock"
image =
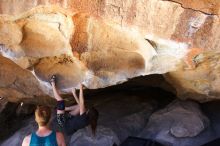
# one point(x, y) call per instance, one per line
point(68, 70)
point(37, 43)
point(17, 84)
point(111, 54)
point(96, 43)
point(10, 29)
point(107, 43)
point(200, 83)
point(206, 6)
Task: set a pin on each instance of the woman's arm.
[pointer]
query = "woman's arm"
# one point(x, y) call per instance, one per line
point(26, 141)
point(60, 139)
point(75, 96)
point(57, 96)
point(81, 101)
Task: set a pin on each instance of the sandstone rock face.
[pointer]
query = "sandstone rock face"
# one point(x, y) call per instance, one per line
point(203, 80)
point(103, 43)
point(92, 58)
point(209, 7)
point(17, 83)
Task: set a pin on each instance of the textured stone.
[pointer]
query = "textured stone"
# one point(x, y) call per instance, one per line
point(37, 43)
point(201, 83)
point(180, 119)
point(210, 6)
point(10, 29)
point(85, 137)
point(96, 47)
point(9, 119)
point(18, 84)
point(68, 70)
point(111, 40)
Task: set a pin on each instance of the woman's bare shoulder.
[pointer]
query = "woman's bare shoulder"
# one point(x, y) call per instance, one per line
point(27, 140)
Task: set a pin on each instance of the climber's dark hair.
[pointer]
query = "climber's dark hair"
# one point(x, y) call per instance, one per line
point(93, 116)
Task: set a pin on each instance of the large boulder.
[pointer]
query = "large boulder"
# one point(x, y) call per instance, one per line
point(18, 84)
point(177, 124)
point(201, 83)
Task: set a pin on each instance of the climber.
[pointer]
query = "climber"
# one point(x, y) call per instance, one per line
point(74, 117)
point(44, 136)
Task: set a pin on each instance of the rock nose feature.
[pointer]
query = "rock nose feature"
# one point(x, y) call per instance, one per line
point(106, 43)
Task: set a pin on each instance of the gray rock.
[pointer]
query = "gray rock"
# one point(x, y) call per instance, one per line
point(130, 125)
point(103, 137)
point(9, 121)
point(125, 114)
point(25, 109)
point(17, 138)
point(175, 124)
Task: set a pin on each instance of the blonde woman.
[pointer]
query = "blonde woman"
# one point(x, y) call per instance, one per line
point(44, 136)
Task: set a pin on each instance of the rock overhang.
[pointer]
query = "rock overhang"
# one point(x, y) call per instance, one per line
point(107, 53)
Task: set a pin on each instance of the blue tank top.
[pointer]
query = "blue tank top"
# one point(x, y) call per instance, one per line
point(49, 140)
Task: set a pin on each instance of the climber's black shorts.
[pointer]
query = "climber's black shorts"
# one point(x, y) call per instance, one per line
point(71, 124)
